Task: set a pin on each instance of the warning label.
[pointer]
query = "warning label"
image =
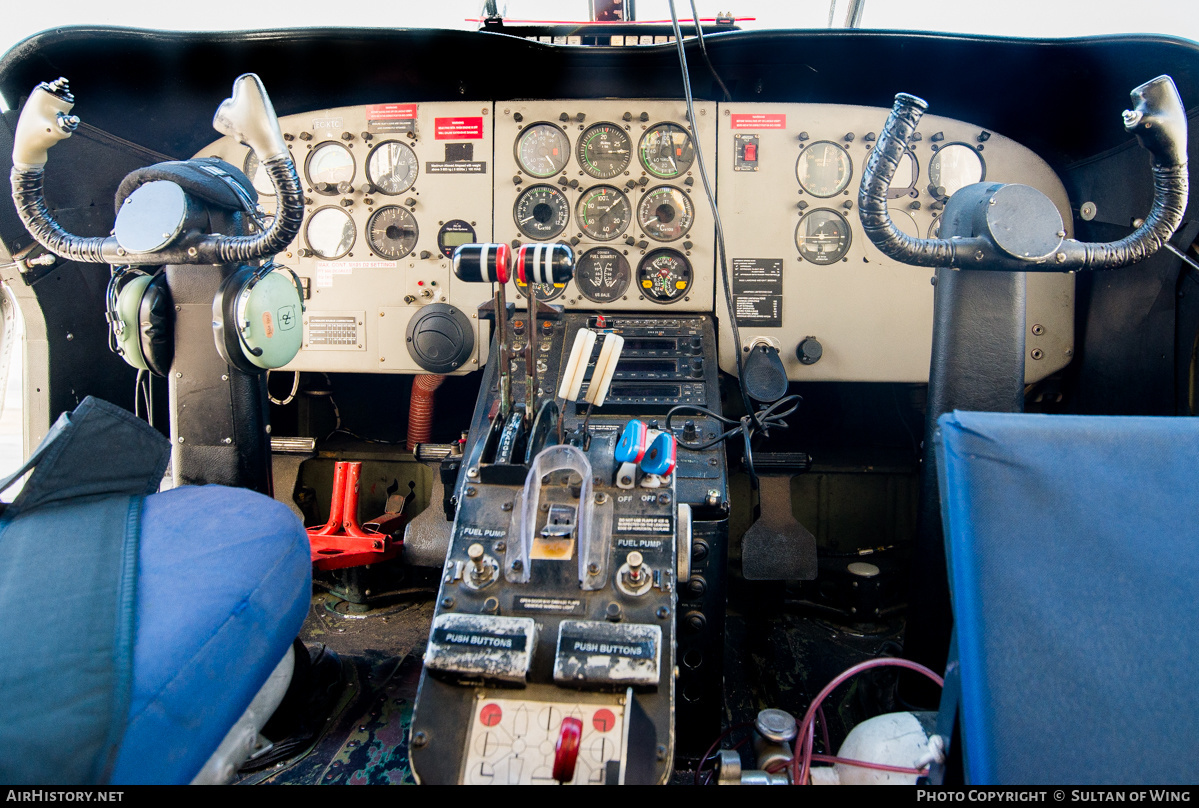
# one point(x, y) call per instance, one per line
point(391, 112)
point(457, 167)
point(758, 120)
point(758, 291)
point(642, 524)
point(325, 270)
point(458, 128)
point(530, 603)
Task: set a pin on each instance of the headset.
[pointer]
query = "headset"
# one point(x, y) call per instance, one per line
point(140, 317)
point(257, 317)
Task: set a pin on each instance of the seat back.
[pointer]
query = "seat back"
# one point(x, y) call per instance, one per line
point(1073, 551)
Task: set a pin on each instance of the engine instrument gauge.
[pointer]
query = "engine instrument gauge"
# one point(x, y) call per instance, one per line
point(542, 150)
point(824, 169)
point(542, 291)
point(822, 236)
point(604, 151)
point(330, 232)
point(392, 232)
point(665, 213)
point(664, 276)
point(541, 212)
point(329, 165)
point(906, 174)
point(602, 275)
point(392, 167)
point(258, 178)
point(666, 150)
point(603, 213)
point(955, 166)
point(454, 234)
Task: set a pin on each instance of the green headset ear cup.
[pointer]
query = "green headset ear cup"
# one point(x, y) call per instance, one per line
point(156, 326)
point(145, 311)
point(274, 312)
point(225, 325)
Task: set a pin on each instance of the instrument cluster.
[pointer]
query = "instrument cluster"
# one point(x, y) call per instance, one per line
point(618, 181)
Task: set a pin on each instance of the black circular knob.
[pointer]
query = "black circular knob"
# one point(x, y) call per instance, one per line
point(697, 368)
point(689, 432)
point(695, 344)
point(347, 136)
point(516, 116)
point(809, 351)
point(345, 203)
point(305, 136)
point(344, 187)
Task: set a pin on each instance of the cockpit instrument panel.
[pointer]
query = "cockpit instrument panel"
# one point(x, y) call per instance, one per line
point(390, 190)
point(801, 267)
point(618, 181)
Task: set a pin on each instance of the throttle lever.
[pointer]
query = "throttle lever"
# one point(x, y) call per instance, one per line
point(999, 238)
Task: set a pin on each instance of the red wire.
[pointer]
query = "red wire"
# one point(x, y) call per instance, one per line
point(804, 752)
point(699, 769)
point(863, 764)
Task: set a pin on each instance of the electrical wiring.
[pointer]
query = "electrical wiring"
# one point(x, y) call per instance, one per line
point(295, 386)
point(703, 49)
point(771, 417)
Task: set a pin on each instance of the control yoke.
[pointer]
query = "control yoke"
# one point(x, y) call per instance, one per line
point(248, 116)
point(1016, 228)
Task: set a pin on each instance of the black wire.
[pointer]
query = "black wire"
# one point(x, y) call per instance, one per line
point(721, 251)
point(699, 34)
point(747, 426)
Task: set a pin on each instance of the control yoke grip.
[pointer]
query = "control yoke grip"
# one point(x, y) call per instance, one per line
point(247, 115)
point(1158, 119)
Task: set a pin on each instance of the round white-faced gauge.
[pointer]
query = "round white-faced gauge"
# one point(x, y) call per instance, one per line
point(603, 213)
point(602, 275)
point(664, 276)
point(665, 213)
point(392, 232)
point(330, 232)
point(604, 151)
point(906, 174)
point(257, 176)
point(329, 165)
point(666, 150)
point(392, 167)
point(541, 291)
point(541, 212)
point(542, 150)
point(822, 236)
point(955, 166)
point(824, 169)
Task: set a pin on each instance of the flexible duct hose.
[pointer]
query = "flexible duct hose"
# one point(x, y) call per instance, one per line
point(420, 409)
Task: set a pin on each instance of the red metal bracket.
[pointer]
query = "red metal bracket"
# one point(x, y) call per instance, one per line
point(342, 542)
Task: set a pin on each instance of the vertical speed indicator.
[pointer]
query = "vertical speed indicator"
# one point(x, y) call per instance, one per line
point(604, 151)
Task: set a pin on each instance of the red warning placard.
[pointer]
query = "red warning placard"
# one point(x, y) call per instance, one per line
point(391, 112)
point(758, 120)
point(458, 128)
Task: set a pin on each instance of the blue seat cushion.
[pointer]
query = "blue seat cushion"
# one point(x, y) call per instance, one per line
point(224, 584)
point(1073, 550)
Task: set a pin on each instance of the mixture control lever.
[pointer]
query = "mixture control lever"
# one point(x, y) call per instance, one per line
point(491, 263)
point(1016, 228)
point(539, 263)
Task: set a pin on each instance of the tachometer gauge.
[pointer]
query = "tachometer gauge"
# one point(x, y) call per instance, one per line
point(602, 275)
point(824, 169)
point(904, 181)
point(392, 232)
point(392, 167)
point(666, 150)
point(330, 232)
point(665, 213)
point(954, 167)
point(541, 211)
point(664, 276)
point(329, 165)
point(258, 178)
point(822, 236)
point(604, 151)
point(603, 213)
point(542, 150)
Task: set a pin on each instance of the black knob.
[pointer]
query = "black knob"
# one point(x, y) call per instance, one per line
point(345, 203)
point(916, 137)
point(629, 240)
point(425, 254)
point(370, 188)
point(515, 243)
point(801, 205)
point(516, 180)
point(562, 181)
point(305, 136)
point(574, 183)
point(324, 187)
point(938, 137)
point(641, 245)
point(869, 137)
point(809, 351)
point(936, 206)
point(574, 240)
point(689, 181)
point(699, 550)
point(564, 117)
point(367, 136)
point(695, 345)
point(344, 187)
point(305, 252)
point(628, 116)
point(643, 181)
point(984, 136)
point(697, 586)
point(580, 117)
point(697, 367)
point(410, 202)
point(803, 136)
point(687, 245)
point(614, 612)
point(631, 184)
point(936, 190)
point(644, 117)
point(516, 116)
point(847, 204)
point(347, 136)
point(289, 137)
point(914, 204)
point(689, 432)
point(849, 137)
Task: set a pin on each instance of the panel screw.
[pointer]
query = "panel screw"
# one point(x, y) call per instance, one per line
point(1038, 329)
point(507, 506)
point(663, 612)
point(471, 490)
point(447, 602)
point(661, 752)
point(419, 739)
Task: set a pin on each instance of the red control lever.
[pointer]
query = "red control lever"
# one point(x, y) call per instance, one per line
point(566, 751)
point(342, 542)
